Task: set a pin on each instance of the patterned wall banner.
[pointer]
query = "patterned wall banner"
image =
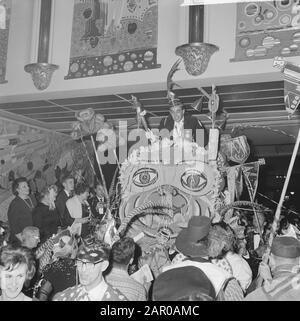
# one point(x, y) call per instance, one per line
point(113, 36)
point(267, 29)
point(5, 12)
point(40, 156)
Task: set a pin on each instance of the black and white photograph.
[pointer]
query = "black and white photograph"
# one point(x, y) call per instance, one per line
point(149, 152)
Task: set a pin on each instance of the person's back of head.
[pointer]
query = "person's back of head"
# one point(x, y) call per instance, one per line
point(186, 283)
point(285, 250)
point(122, 252)
point(221, 239)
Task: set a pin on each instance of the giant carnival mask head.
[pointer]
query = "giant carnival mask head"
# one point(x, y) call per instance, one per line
point(175, 174)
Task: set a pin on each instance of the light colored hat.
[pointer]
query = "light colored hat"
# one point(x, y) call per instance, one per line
point(286, 246)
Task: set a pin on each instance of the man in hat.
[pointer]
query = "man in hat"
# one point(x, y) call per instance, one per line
point(191, 242)
point(91, 261)
point(282, 277)
point(183, 125)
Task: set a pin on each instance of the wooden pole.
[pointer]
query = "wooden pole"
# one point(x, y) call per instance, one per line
point(279, 206)
point(100, 169)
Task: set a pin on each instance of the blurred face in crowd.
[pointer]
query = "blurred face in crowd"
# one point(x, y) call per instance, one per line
point(99, 191)
point(177, 113)
point(23, 189)
point(84, 196)
point(31, 240)
point(12, 281)
point(52, 194)
point(68, 184)
point(90, 274)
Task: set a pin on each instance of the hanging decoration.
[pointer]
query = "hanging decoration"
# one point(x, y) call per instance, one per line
point(246, 126)
point(87, 125)
point(236, 149)
point(291, 75)
point(5, 13)
point(113, 36)
point(234, 182)
point(266, 29)
point(235, 174)
point(250, 172)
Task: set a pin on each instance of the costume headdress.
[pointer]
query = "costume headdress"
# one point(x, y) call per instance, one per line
point(93, 251)
point(172, 99)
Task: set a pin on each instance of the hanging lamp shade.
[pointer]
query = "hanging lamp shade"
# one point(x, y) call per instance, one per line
point(41, 74)
point(196, 56)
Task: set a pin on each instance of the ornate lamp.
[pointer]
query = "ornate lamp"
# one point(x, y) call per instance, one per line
point(42, 71)
point(196, 53)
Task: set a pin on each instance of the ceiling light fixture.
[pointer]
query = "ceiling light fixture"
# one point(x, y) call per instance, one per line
point(41, 72)
point(196, 54)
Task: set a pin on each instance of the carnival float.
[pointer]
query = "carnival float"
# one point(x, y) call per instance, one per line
point(165, 181)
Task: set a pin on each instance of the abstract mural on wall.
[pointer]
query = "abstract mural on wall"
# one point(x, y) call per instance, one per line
point(113, 36)
point(267, 29)
point(5, 12)
point(40, 156)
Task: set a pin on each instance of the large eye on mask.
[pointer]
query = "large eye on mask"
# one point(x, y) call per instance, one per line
point(193, 180)
point(145, 177)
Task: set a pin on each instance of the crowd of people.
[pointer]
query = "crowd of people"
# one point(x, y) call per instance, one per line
point(49, 250)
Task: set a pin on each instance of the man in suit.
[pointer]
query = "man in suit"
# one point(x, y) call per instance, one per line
point(183, 125)
point(63, 196)
point(97, 202)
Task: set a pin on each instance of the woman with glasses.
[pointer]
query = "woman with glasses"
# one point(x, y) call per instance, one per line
point(17, 266)
point(45, 215)
point(20, 209)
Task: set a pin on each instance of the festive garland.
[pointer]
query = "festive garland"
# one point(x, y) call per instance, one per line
point(277, 131)
point(223, 210)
